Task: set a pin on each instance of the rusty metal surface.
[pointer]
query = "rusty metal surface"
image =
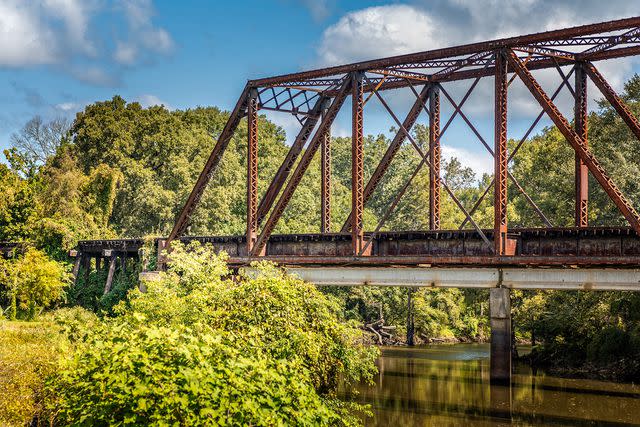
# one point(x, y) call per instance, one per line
point(287, 193)
point(307, 95)
point(252, 170)
point(285, 168)
point(434, 158)
point(500, 161)
point(357, 162)
point(578, 144)
point(592, 246)
point(418, 60)
point(581, 171)
point(325, 184)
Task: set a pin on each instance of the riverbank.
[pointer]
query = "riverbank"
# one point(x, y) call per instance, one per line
point(623, 369)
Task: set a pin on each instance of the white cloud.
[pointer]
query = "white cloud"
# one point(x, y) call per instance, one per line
point(143, 34)
point(319, 8)
point(67, 107)
point(481, 163)
point(125, 53)
point(94, 74)
point(61, 33)
point(147, 100)
point(23, 41)
point(378, 31)
point(396, 29)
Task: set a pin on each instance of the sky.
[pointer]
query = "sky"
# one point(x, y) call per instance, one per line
point(57, 56)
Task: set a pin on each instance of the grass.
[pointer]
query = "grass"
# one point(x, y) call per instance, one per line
point(29, 353)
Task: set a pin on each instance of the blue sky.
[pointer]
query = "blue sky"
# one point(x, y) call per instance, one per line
point(56, 56)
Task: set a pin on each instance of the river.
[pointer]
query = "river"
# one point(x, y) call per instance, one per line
point(448, 385)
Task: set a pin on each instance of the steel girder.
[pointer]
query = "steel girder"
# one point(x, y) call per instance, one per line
point(252, 169)
point(285, 168)
point(307, 94)
point(469, 50)
point(298, 173)
point(434, 159)
point(581, 170)
point(578, 144)
point(500, 156)
point(325, 185)
point(357, 162)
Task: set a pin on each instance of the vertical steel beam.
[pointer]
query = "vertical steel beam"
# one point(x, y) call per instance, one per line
point(296, 148)
point(434, 159)
point(392, 150)
point(210, 167)
point(325, 166)
point(598, 172)
point(302, 167)
point(252, 169)
point(581, 170)
point(500, 156)
point(357, 162)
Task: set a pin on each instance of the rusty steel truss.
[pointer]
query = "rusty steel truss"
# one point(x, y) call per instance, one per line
point(315, 98)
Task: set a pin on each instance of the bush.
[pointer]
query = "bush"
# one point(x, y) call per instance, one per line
point(261, 349)
point(608, 345)
point(160, 376)
point(33, 281)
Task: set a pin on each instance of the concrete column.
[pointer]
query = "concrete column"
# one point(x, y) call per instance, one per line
point(500, 320)
point(410, 324)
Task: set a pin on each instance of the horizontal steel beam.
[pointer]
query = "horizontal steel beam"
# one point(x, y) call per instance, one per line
point(468, 49)
point(600, 279)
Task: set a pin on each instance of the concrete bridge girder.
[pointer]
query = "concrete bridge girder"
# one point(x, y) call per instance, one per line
point(514, 278)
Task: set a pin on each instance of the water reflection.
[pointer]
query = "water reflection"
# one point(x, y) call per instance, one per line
point(449, 386)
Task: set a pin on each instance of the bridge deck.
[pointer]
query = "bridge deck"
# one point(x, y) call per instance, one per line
point(592, 246)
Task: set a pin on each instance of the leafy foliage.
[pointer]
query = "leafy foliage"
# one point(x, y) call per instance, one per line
point(32, 281)
point(266, 349)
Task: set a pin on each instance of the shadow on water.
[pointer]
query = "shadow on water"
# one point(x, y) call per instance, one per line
point(449, 385)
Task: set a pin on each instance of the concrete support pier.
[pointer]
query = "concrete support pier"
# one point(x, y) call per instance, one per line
point(500, 320)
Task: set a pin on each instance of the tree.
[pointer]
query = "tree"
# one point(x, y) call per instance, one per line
point(38, 140)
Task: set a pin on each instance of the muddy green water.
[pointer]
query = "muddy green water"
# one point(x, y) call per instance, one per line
point(448, 385)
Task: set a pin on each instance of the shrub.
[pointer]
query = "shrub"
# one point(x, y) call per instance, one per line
point(33, 281)
point(160, 376)
point(202, 348)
